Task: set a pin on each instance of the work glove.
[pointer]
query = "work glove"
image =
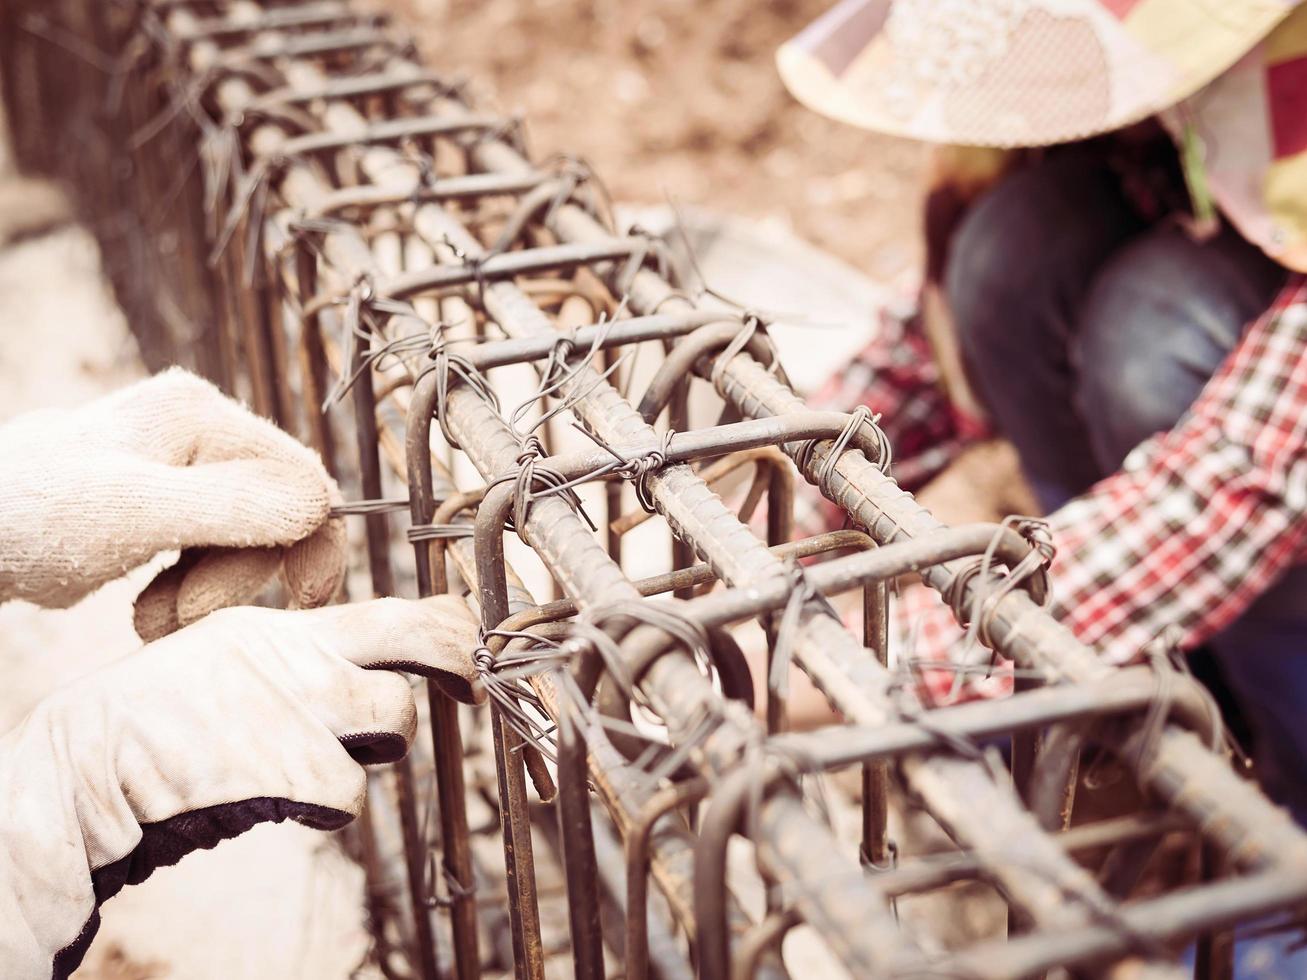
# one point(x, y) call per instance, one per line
point(167, 464)
point(248, 716)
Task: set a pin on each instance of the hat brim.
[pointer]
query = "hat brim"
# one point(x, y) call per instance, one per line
point(1059, 76)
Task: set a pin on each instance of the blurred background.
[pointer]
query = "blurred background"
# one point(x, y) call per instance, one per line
point(681, 98)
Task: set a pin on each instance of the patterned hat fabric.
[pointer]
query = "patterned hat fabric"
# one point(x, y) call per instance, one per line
point(1230, 75)
point(1016, 72)
point(1251, 125)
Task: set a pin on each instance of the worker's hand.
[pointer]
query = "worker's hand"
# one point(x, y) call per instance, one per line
point(169, 463)
point(250, 715)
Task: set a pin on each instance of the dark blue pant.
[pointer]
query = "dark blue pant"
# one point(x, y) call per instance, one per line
point(1085, 332)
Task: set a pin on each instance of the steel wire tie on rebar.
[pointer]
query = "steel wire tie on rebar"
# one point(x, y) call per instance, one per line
point(509, 693)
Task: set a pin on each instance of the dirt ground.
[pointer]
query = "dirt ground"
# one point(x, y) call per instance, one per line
point(681, 99)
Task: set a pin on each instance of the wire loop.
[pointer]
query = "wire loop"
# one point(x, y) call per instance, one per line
point(862, 415)
point(802, 591)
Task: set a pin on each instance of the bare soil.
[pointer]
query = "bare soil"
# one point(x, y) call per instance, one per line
point(681, 99)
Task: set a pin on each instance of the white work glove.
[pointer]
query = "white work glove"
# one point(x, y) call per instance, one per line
point(169, 463)
point(250, 715)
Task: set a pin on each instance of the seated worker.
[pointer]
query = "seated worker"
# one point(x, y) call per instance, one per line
point(230, 717)
point(1129, 309)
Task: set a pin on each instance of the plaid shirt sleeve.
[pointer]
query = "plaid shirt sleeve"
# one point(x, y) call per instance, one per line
point(1203, 519)
point(1199, 522)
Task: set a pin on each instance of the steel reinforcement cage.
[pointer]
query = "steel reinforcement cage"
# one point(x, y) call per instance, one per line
point(291, 203)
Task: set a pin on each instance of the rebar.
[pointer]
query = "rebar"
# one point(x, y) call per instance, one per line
point(299, 208)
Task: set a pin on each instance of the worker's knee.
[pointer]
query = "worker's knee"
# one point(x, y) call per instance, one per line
point(1023, 256)
point(985, 276)
point(1161, 316)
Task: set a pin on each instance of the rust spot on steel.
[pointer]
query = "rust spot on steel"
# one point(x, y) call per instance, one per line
point(294, 205)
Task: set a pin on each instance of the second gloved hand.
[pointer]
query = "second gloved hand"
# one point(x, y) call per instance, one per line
point(251, 715)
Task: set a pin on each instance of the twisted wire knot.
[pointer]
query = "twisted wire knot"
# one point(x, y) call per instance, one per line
point(532, 448)
point(559, 354)
point(533, 481)
point(860, 416)
point(517, 702)
point(444, 362)
point(750, 323)
point(642, 468)
point(1030, 574)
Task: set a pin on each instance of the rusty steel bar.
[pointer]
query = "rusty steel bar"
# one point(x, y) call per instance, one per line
point(685, 578)
point(1128, 691)
point(302, 15)
point(829, 654)
point(938, 870)
point(363, 215)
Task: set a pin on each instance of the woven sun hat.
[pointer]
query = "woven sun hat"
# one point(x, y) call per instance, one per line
point(1012, 73)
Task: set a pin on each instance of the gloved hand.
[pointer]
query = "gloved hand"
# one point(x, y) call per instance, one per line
point(90, 493)
point(247, 716)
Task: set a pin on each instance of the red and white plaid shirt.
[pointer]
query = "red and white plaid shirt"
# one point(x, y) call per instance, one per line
point(1198, 523)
